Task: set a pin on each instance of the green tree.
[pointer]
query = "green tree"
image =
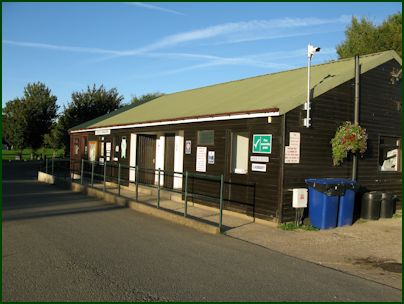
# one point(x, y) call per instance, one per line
point(391, 33)
point(53, 139)
point(3, 129)
point(84, 106)
point(364, 37)
point(146, 97)
point(29, 118)
point(14, 129)
point(41, 112)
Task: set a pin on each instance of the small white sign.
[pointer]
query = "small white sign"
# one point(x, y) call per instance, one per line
point(108, 146)
point(261, 159)
point(211, 157)
point(294, 139)
point(292, 155)
point(259, 167)
point(292, 152)
point(201, 159)
point(103, 132)
point(188, 145)
point(123, 147)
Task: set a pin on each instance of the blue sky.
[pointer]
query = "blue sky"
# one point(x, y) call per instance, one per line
point(167, 47)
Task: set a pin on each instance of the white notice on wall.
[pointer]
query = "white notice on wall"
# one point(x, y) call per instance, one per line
point(108, 150)
point(263, 159)
point(294, 139)
point(103, 132)
point(201, 159)
point(292, 152)
point(211, 157)
point(259, 167)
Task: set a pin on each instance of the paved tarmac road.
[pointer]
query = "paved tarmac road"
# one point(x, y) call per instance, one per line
point(64, 246)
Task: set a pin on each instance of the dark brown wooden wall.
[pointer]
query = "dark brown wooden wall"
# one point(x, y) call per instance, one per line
point(381, 115)
point(265, 192)
point(378, 114)
point(266, 184)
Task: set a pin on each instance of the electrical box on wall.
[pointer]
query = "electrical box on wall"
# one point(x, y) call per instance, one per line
point(299, 198)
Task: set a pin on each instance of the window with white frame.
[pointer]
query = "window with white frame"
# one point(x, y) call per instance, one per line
point(389, 153)
point(239, 152)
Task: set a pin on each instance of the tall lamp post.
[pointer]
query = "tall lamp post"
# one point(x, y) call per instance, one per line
point(311, 50)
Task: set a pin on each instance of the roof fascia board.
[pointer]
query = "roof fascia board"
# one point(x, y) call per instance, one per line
point(183, 121)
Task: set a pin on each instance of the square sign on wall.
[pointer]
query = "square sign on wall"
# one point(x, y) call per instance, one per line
point(262, 143)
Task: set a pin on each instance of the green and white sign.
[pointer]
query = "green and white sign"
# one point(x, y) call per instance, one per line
point(262, 143)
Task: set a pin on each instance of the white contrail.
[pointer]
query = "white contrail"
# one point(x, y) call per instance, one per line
point(154, 7)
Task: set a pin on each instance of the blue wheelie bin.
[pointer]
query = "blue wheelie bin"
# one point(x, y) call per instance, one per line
point(323, 201)
point(347, 203)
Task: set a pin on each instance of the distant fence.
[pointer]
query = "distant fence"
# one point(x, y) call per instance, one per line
point(29, 155)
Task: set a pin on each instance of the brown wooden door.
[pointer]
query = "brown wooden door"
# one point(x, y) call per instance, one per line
point(146, 158)
point(169, 160)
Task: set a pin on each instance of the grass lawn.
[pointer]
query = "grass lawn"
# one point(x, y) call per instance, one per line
point(26, 153)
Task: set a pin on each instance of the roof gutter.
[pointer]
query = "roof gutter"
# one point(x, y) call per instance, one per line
point(217, 117)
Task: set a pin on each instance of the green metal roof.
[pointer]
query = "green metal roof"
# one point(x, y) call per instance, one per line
point(91, 122)
point(281, 92)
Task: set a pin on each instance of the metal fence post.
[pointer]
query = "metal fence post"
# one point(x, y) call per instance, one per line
point(46, 165)
point(105, 174)
point(158, 189)
point(92, 174)
point(186, 194)
point(119, 179)
point(221, 203)
point(53, 165)
point(82, 171)
point(137, 181)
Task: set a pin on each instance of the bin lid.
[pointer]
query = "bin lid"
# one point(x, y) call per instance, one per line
point(373, 195)
point(324, 181)
point(387, 196)
point(328, 186)
point(348, 183)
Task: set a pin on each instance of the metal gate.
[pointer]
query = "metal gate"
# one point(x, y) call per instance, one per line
point(146, 157)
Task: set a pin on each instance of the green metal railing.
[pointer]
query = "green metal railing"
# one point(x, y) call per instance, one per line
point(156, 172)
point(94, 171)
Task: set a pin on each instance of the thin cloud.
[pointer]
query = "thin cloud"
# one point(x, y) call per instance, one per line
point(154, 7)
point(257, 60)
point(236, 32)
point(62, 47)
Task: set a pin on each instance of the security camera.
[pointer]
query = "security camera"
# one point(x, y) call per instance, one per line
point(311, 50)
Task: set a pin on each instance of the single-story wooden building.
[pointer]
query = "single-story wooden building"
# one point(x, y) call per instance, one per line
point(252, 132)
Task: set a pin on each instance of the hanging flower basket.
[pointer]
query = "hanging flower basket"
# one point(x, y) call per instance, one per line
point(348, 138)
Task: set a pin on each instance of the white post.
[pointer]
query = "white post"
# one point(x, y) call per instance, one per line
point(132, 157)
point(307, 124)
point(160, 145)
point(178, 159)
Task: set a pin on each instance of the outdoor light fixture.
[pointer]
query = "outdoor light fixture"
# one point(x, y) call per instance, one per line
point(311, 50)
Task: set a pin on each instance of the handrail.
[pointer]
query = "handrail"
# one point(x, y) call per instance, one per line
point(80, 167)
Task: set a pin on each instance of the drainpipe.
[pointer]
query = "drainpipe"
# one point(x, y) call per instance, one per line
point(281, 169)
point(356, 115)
